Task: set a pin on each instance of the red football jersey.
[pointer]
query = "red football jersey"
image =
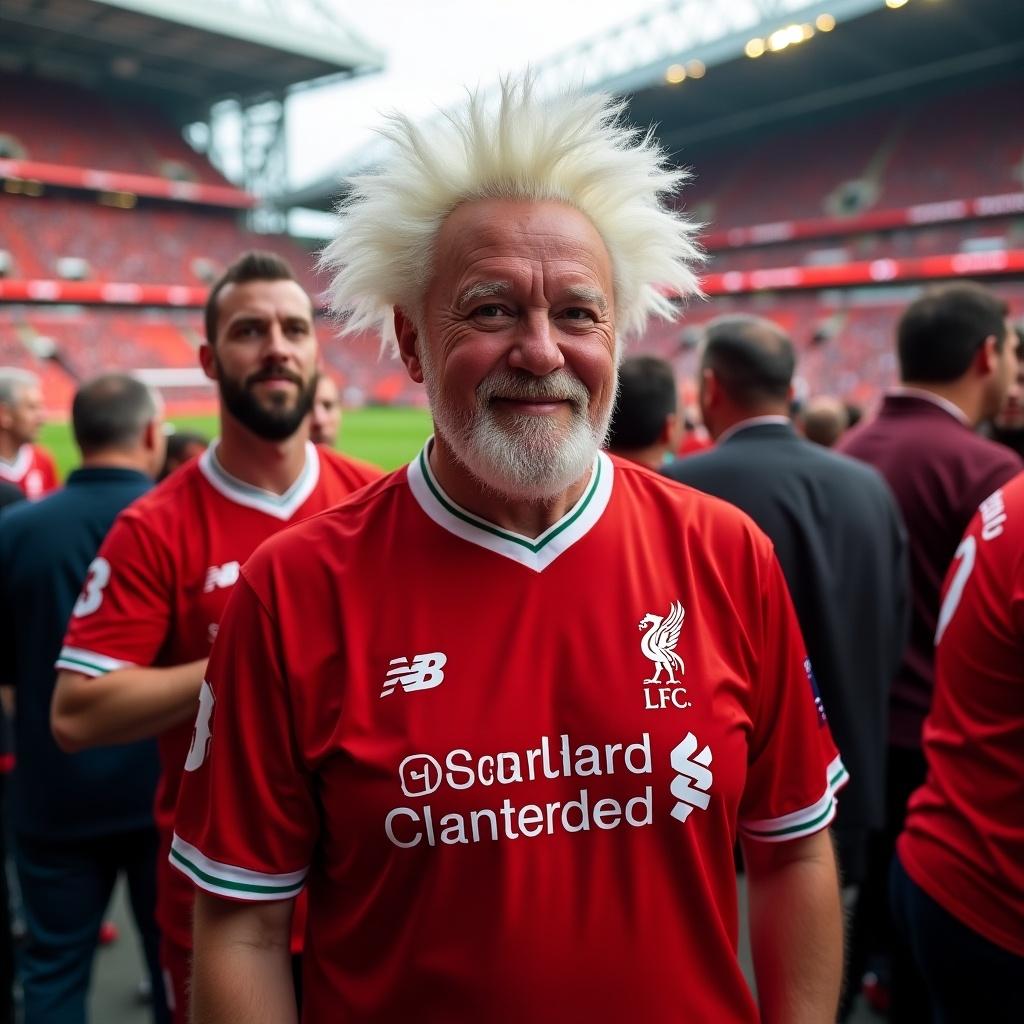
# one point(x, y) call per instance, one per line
point(157, 588)
point(33, 470)
point(510, 770)
point(963, 841)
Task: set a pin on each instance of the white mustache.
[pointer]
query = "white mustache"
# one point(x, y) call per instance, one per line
point(560, 386)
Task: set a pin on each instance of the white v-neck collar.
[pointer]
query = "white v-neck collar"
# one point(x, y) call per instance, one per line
point(280, 506)
point(536, 553)
point(18, 466)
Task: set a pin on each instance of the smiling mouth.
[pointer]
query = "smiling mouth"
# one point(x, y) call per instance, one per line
point(538, 404)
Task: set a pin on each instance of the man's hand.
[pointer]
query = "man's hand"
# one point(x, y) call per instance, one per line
point(122, 706)
point(241, 967)
point(796, 930)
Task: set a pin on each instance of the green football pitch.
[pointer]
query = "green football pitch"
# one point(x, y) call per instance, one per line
point(387, 437)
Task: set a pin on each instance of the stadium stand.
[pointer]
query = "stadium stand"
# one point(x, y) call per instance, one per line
point(52, 123)
point(845, 169)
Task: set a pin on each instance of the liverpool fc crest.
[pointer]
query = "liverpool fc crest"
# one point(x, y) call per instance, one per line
point(661, 634)
point(659, 642)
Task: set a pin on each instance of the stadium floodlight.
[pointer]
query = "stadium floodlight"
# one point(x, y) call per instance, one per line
point(675, 74)
point(894, 4)
point(824, 22)
point(754, 48)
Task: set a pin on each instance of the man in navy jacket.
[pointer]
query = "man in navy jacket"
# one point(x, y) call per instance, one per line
point(80, 819)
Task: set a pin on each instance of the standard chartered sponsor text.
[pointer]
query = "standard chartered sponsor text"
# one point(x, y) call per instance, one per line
point(422, 775)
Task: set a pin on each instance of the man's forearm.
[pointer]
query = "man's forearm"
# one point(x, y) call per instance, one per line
point(241, 968)
point(795, 929)
point(122, 706)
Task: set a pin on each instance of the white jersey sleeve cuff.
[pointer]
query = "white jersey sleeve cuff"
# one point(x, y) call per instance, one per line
point(807, 820)
point(89, 663)
point(227, 880)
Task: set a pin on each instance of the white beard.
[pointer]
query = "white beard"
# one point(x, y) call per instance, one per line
point(520, 456)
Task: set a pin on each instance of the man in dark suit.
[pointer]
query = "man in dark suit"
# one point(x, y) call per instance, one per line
point(838, 536)
point(958, 360)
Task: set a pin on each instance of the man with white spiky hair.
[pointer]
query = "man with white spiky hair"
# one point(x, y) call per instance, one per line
point(506, 711)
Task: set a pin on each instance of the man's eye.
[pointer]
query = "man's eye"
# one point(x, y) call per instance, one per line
point(489, 311)
point(578, 313)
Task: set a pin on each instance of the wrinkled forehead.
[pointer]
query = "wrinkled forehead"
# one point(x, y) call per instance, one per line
point(500, 244)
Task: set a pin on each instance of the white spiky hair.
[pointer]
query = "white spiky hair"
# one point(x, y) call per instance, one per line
point(575, 148)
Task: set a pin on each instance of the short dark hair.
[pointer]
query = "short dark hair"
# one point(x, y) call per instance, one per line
point(940, 333)
point(752, 358)
point(179, 442)
point(647, 397)
point(110, 412)
point(255, 265)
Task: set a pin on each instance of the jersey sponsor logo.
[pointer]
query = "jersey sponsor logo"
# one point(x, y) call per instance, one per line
point(693, 778)
point(661, 635)
point(426, 776)
point(819, 704)
point(220, 576)
point(424, 673)
point(202, 732)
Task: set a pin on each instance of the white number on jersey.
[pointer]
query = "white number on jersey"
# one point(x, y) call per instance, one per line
point(967, 552)
point(92, 593)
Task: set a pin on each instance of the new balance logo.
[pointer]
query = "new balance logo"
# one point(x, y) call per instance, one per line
point(693, 780)
point(423, 674)
point(219, 576)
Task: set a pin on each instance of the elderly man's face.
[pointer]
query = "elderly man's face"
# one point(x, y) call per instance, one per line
point(517, 344)
point(26, 417)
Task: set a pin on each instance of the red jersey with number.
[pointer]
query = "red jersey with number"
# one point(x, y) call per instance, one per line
point(157, 589)
point(511, 771)
point(33, 470)
point(963, 841)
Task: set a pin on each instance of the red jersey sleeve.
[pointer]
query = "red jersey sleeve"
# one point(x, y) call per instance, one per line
point(794, 768)
point(47, 468)
point(246, 818)
point(126, 605)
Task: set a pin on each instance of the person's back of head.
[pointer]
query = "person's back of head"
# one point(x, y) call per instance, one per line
point(182, 447)
point(955, 340)
point(644, 426)
point(746, 370)
point(825, 419)
point(118, 421)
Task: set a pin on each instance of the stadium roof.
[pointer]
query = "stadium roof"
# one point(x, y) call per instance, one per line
point(872, 52)
point(182, 55)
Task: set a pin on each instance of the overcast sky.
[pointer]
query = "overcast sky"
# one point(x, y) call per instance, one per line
point(435, 48)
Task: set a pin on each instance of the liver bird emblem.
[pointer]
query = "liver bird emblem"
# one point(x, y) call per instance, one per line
point(660, 639)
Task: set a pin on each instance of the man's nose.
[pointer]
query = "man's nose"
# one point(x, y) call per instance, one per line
point(276, 345)
point(536, 348)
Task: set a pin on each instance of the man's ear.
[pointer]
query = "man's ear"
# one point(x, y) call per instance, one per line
point(407, 335)
point(709, 390)
point(150, 435)
point(208, 361)
point(671, 432)
point(987, 358)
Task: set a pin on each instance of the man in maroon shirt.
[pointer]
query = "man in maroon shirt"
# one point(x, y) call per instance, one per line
point(958, 358)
